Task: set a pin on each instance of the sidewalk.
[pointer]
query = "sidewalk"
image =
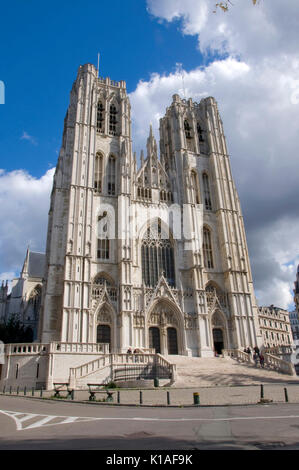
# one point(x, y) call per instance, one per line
point(208, 396)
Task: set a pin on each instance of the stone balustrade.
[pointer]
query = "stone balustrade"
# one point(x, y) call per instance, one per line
point(271, 362)
point(122, 359)
point(26, 348)
point(278, 364)
point(102, 348)
point(90, 367)
point(238, 354)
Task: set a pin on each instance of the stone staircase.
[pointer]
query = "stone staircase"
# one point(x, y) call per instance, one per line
point(213, 371)
point(121, 367)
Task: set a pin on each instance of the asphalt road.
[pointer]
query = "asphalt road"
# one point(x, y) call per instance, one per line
point(40, 424)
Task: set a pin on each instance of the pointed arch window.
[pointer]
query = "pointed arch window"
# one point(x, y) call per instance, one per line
point(200, 133)
point(98, 173)
point(157, 256)
point(103, 248)
point(206, 190)
point(187, 129)
point(194, 188)
point(112, 120)
point(207, 248)
point(100, 117)
point(111, 175)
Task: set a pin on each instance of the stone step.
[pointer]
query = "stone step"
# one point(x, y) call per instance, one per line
point(212, 371)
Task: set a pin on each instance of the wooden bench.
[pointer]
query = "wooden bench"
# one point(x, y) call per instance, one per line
point(93, 392)
point(58, 387)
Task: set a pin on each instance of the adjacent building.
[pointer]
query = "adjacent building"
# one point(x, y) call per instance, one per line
point(275, 326)
point(24, 300)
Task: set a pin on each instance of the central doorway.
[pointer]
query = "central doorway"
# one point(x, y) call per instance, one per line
point(172, 341)
point(104, 335)
point(154, 339)
point(218, 340)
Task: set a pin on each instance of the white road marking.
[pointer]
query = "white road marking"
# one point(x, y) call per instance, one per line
point(45, 419)
point(41, 422)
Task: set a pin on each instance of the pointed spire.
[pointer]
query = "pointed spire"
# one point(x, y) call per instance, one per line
point(151, 144)
point(24, 271)
point(141, 158)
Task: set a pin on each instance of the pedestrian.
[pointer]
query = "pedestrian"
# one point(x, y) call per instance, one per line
point(136, 352)
point(255, 358)
point(256, 350)
point(262, 360)
point(129, 351)
point(248, 350)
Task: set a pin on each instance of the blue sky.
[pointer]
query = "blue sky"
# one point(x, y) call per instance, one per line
point(41, 50)
point(247, 58)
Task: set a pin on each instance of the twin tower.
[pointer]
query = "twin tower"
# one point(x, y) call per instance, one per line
point(149, 256)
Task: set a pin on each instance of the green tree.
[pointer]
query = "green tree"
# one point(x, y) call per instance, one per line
point(13, 331)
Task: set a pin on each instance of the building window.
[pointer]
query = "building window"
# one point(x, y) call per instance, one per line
point(98, 173)
point(100, 118)
point(111, 175)
point(206, 191)
point(103, 248)
point(112, 120)
point(194, 188)
point(187, 129)
point(200, 133)
point(207, 248)
point(157, 256)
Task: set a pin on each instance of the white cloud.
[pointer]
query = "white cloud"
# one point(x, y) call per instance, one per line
point(268, 29)
point(26, 136)
point(24, 203)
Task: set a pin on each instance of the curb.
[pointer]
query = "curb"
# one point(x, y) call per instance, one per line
point(137, 405)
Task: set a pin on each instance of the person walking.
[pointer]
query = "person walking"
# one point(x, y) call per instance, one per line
point(262, 360)
point(255, 358)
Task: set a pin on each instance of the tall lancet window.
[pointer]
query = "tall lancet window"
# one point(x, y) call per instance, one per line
point(111, 175)
point(206, 191)
point(103, 237)
point(200, 133)
point(194, 188)
point(112, 120)
point(100, 118)
point(207, 248)
point(187, 129)
point(157, 256)
point(98, 173)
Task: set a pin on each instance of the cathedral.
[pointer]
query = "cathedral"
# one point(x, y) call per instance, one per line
point(152, 254)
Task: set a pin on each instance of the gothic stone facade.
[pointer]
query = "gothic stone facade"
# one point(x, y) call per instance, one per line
point(23, 302)
point(117, 272)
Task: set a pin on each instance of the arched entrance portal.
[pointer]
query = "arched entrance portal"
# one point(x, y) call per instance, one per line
point(172, 341)
point(104, 327)
point(154, 339)
point(218, 340)
point(219, 330)
point(165, 328)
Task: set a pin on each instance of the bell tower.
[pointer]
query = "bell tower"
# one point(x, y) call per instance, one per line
point(92, 178)
point(193, 147)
